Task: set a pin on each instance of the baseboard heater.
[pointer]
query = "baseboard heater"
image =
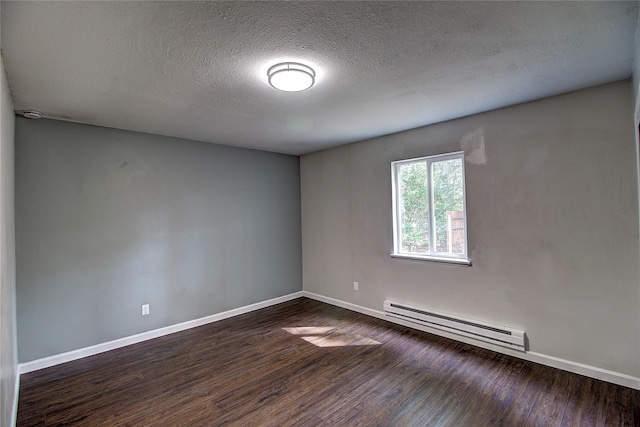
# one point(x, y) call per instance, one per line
point(498, 335)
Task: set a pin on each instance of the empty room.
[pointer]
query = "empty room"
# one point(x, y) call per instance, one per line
point(319, 213)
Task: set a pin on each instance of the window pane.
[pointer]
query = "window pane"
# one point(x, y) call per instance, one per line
point(414, 208)
point(448, 206)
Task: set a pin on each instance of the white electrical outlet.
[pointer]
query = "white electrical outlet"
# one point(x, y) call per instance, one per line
point(145, 309)
point(355, 286)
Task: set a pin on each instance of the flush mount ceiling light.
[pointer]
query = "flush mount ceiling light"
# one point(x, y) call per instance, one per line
point(32, 114)
point(291, 76)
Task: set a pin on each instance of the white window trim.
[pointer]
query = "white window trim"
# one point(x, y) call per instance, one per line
point(461, 259)
point(417, 257)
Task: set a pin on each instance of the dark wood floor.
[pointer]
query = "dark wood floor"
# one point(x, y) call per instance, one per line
point(305, 363)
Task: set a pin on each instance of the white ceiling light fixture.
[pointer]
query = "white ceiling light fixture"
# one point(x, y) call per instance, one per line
point(291, 76)
point(32, 114)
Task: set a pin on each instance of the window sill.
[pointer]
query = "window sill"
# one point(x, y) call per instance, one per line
point(457, 261)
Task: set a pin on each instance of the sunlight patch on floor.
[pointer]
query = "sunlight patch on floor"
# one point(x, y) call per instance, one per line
point(310, 330)
point(329, 336)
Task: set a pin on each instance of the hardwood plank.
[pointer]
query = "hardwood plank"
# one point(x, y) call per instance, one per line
point(307, 363)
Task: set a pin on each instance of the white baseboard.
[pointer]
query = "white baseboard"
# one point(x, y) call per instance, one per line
point(144, 336)
point(586, 370)
point(543, 359)
point(566, 365)
point(16, 394)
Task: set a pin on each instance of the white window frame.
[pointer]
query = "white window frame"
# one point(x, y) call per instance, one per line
point(397, 231)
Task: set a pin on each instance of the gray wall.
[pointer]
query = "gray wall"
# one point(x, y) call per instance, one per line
point(8, 358)
point(636, 63)
point(109, 219)
point(552, 223)
point(636, 83)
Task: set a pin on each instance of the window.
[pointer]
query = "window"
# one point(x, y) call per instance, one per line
point(429, 214)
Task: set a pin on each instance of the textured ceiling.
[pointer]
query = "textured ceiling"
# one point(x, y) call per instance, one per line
point(197, 70)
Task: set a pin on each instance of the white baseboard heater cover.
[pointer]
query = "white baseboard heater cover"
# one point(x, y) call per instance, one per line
point(498, 335)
